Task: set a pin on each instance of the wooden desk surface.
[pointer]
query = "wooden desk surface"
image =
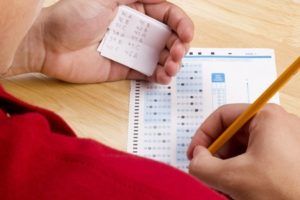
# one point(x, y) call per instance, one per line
point(100, 111)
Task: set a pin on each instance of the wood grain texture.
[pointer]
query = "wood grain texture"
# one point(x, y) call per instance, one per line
point(100, 111)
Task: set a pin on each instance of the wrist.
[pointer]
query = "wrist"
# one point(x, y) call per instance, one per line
point(31, 53)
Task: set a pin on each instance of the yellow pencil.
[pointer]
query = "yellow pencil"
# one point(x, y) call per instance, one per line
point(255, 107)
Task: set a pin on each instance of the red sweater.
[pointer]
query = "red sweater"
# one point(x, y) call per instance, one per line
point(41, 158)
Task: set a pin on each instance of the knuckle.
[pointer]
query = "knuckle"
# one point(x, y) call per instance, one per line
point(224, 108)
point(273, 108)
point(270, 112)
point(229, 107)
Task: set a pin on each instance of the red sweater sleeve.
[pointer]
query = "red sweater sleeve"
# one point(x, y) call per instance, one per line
point(40, 158)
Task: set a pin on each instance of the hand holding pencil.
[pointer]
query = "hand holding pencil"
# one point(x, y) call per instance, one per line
point(262, 159)
point(255, 107)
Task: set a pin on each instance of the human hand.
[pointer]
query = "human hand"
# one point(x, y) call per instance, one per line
point(260, 162)
point(74, 28)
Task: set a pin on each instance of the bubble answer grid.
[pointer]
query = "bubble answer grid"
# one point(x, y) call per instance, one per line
point(163, 118)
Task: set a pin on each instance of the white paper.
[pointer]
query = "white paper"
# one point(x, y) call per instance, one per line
point(135, 40)
point(162, 119)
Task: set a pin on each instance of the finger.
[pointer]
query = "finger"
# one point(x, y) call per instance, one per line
point(172, 39)
point(177, 51)
point(173, 63)
point(174, 17)
point(164, 55)
point(141, 1)
point(222, 175)
point(237, 145)
point(135, 75)
point(136, 4)
point(204, 166)
point(171, 67)
point(160, 76)
point(175, 40)
point(214, 125)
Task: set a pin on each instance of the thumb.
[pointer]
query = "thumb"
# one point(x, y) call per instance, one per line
point(213, 171)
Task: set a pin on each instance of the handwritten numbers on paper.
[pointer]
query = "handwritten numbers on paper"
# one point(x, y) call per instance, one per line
point(129, 40)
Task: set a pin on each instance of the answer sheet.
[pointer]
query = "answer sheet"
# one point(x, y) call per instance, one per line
point(163, 118)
